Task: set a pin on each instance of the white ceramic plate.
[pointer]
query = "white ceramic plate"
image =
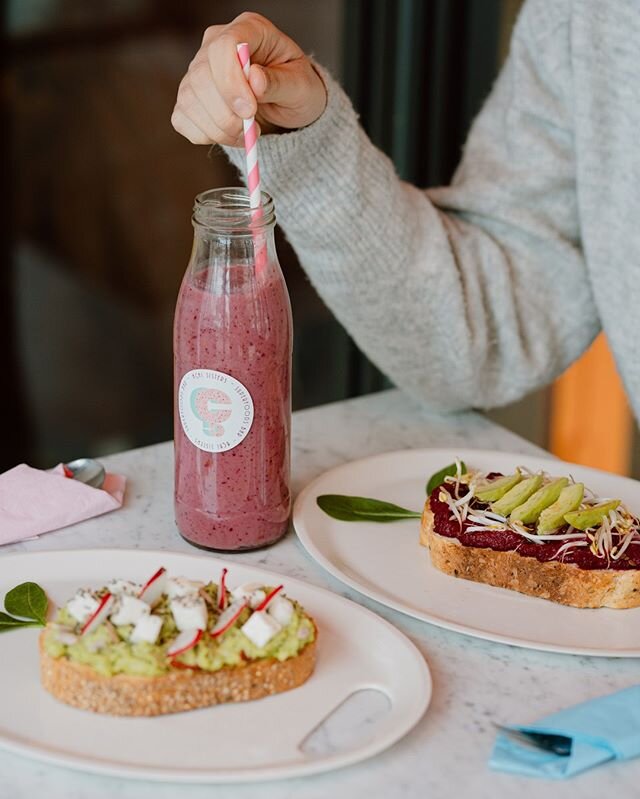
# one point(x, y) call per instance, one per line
point(230, 743)
point(385, 562)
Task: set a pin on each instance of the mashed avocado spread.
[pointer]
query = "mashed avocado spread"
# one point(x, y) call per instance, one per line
point(109, 651)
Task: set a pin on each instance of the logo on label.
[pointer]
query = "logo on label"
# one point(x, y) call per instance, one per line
point(216, 410)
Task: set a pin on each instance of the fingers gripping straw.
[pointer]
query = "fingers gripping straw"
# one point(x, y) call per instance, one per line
point(253, 168)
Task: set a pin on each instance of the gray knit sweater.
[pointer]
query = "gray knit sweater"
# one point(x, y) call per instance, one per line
point(473, 294)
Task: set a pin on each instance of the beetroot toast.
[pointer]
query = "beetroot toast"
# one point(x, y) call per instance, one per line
point(491, 542)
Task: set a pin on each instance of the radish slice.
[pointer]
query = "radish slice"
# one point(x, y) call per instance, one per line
point(155, 586)
point(268, 598)
point(100, 614)
point(222, 591)
point(183, 642)
point(228, 617)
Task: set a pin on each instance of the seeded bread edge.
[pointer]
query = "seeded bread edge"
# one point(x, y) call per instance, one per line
point(82, 687)
point(564, 583)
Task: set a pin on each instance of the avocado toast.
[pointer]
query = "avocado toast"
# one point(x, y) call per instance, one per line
point(544, 536)
point(175, 644)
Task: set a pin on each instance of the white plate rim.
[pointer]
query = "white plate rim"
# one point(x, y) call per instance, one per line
point(448, 456)
point(216, 776)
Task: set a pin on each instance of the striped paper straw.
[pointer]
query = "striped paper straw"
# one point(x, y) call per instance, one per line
point(253, 168)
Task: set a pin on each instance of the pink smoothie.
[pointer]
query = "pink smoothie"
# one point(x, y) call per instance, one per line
point(240, 326)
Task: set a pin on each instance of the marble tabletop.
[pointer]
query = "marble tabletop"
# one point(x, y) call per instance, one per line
point(475, 682)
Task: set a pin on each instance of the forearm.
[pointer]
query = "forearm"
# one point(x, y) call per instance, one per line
point(467, 306)
point(333, 193)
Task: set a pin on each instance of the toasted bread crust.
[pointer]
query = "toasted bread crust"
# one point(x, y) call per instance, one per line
point(180, 689)
point(559, 582)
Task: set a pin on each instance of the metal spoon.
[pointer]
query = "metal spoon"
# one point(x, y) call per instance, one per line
point(546, 742)
point(87, 471)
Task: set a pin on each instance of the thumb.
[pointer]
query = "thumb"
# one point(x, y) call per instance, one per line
point(279, 84)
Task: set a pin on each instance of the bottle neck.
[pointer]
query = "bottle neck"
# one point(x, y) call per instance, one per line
point(228, 211)
point(230, 233)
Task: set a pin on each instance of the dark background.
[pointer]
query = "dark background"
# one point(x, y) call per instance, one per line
point(98, 189)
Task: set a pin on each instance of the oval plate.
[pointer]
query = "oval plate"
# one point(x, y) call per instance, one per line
point(227, 743)
point(386, 563)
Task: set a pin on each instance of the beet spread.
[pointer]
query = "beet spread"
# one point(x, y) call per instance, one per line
point(507, 541)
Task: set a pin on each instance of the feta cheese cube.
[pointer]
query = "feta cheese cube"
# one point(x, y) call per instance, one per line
point(180, 586)
point(129, 610)
point(260, 628)
point(119, 586)
point(147, 629)
point(82, 605)
point(252, 592)
point(281, 609)
point(244, 590)
point(189, 612)
point(256, 598)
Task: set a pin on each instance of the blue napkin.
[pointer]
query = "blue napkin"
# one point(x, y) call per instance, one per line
point(603, 729)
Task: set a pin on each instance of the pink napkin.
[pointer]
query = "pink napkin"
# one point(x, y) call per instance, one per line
point(33, 501)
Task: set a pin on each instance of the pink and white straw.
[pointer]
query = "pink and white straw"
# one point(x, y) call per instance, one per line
point(253, 167)
point(250, 138)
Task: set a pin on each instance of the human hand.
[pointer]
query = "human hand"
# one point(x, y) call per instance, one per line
point(284, 91)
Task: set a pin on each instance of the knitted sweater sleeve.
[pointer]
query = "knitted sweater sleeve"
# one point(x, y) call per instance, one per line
point(469, 295)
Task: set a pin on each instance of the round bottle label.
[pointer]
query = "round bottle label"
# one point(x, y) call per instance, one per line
point(216, 410)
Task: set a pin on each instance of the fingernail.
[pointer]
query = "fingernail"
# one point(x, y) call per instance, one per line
point(242, 108)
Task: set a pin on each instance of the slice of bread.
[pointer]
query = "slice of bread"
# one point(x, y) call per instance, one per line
point(565, 583)
point(180, 689)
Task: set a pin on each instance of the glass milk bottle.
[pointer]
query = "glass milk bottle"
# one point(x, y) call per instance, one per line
point(232, 379)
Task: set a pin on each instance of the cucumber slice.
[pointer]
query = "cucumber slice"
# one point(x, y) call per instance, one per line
point(492, 490)
point(591, 517)
point(529, 511)
point(517, 495)
point(553, 517)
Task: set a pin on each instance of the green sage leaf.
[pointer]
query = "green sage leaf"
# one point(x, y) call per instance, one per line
point(27, 601)
point(363, 509)
point(9, 623)
point(437, 479)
